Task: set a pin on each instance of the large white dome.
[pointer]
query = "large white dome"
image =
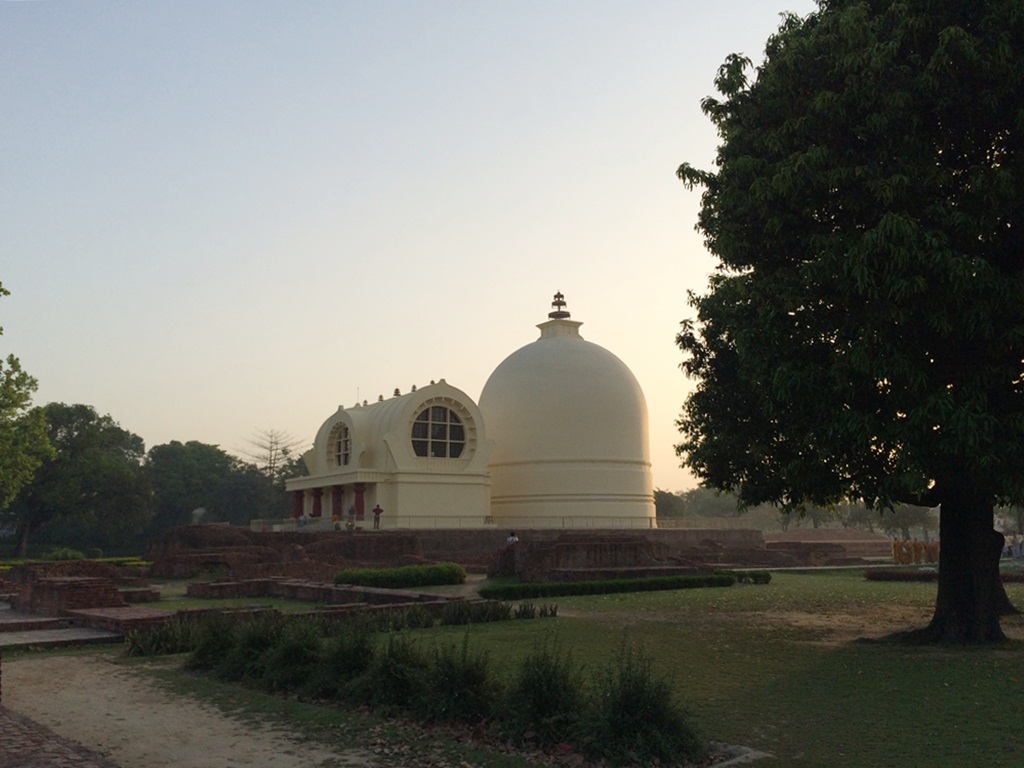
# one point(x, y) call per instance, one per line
point(569, 421)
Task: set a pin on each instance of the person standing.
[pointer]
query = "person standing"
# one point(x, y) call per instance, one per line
point(377, 512)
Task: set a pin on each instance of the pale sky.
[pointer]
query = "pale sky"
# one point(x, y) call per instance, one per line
point(223, 216)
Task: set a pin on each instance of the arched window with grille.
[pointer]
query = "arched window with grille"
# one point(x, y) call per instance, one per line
point(438, 432)
point(341, 446)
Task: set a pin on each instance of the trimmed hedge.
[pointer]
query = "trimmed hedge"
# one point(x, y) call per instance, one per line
point(606, 587)
point(403, 577)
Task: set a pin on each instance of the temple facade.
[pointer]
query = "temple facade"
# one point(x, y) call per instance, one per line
point(558, 440)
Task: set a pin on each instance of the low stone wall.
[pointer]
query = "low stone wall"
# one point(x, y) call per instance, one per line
point(56, 596)
point(21, 574)
point(318, 555)
point(310, 591)
point(194, 550)
point(481, 546)
point(827, 546)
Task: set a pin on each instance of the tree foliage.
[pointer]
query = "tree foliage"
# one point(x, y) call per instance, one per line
point(668, 504)
point(189, 477)
point(93, 491)
point(864, 334)
point(23, 443)
point(193, 476)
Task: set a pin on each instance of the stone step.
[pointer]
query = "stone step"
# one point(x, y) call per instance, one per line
point(32, 623)
point(19, 629)
point(52, 638)
point(22, 621)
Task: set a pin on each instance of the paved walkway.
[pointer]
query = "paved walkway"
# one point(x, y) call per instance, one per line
point(25, 743)
point(19, 629)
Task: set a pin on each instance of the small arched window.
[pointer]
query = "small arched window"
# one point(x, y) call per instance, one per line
point(438, 433)
point(342, 446)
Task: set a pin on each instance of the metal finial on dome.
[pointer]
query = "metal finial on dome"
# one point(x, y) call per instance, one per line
point(559, 303)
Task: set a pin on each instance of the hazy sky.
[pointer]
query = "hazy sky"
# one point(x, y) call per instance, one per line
point(218, 217)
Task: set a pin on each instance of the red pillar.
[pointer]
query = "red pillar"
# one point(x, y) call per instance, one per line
point(360, 504)
point(317, 504)
point(336, 494)
point(297, 501)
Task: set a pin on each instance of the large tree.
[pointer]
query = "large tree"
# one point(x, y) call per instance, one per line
point(864, 334)
point(93, 491)
point(23, 443)
point(187, 477)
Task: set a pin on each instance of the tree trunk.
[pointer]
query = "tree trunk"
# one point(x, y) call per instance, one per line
point(23, 540)
point(971, 597)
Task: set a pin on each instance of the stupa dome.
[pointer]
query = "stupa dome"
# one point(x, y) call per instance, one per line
point(572, 438)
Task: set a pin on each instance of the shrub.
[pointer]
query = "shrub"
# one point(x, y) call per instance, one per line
point(177, 635)
point(635, 719)
point(403, 577)
point(62, 553)
point(289, 663)
point(460, 612)
point(395, 679)
point(244, 659)
point(545, 697)
point(458, 686)
point(344, 656)
point(214, 638)
point(525, 610)
point(456, 613)
point(415, 617)
point(747, 577)
point(418, 617)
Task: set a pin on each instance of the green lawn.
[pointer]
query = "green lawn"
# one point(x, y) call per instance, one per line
point(779, 668)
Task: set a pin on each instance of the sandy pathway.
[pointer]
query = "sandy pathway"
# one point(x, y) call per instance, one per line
point(121, 712)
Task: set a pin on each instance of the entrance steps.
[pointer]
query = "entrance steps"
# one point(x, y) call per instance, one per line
point(19, 629)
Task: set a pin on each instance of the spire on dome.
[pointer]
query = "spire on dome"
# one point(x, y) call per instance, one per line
point(559, 303)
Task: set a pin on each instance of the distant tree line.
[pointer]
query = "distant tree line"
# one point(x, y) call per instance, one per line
point(98, 490)
point(905, 521)
point(70, 477)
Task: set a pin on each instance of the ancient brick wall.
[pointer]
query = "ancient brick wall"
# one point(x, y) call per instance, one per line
point(55, 596)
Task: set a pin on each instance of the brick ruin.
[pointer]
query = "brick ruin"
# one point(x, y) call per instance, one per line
point(54, 589)
point(540, 554)
point(217, 550)
point(226, 553)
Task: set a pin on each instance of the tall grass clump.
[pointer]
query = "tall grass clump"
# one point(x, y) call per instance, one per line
point(179, 634)
point(395, 679)
point(214, 637)
point(545, 697)
point(290, 661)
point(245, 659)
point(459, 612)
point(458, 686)
point(634, 717)
point(344, 657)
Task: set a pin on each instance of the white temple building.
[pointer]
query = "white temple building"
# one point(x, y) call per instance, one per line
point(558, 440)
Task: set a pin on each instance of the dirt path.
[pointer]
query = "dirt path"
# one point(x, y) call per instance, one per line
point(121, 712)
